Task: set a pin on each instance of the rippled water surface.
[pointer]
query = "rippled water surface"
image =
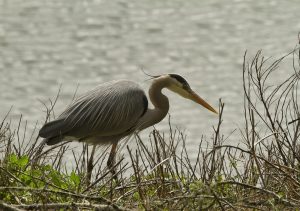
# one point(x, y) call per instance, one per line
point(45, 43)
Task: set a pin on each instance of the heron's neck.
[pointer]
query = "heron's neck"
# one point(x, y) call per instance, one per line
point(160, 103)
point(158, 99)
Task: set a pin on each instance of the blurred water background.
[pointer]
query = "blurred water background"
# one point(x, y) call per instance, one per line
point(48, 43)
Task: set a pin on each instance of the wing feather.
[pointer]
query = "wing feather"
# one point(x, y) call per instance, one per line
point(110, 109)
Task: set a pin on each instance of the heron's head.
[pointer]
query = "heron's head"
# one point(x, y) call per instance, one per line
point(180, 86)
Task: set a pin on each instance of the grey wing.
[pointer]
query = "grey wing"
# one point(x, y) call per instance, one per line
point(111, 109)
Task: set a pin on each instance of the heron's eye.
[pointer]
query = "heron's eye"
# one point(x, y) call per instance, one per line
point(184, 86)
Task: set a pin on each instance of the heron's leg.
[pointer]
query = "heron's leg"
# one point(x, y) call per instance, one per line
point(112, 159)
point(90, 166)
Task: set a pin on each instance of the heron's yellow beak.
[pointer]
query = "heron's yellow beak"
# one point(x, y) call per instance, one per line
point(196, 98)
point(190, 94)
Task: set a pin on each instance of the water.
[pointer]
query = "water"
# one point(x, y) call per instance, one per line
point(45, 43)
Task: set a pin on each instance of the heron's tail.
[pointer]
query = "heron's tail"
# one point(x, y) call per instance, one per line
point(52, 132)
point(53, 140)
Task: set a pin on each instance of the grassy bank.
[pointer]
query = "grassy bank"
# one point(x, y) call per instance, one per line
point(261, 172)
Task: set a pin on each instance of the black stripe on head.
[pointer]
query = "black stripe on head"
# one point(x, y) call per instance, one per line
point(180, 79)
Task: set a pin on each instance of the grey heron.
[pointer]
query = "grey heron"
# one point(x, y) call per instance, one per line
point(116, 109)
